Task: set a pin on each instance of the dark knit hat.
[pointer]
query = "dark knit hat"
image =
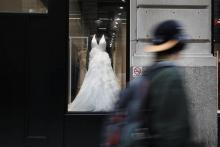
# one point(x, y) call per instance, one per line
point(168, 35)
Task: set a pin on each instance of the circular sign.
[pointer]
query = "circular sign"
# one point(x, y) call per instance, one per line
point(137, 71)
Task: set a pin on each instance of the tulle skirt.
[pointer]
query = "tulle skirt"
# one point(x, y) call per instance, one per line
point(99, 91)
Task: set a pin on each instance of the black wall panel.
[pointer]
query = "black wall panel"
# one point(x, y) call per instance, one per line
point(37, 104)
point(83, 130)
point(33, 53)
point(13, 79)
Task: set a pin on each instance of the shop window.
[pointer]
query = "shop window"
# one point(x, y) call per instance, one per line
point(23, 6)
point(97, 54)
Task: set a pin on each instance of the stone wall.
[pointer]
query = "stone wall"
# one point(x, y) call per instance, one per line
point(197, 62)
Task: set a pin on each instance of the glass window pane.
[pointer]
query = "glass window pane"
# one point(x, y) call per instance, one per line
point(24, 6)
point(97, 49)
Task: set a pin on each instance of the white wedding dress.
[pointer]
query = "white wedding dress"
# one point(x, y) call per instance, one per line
point(99, 90)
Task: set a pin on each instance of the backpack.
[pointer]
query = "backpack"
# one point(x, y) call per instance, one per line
point(127, 126)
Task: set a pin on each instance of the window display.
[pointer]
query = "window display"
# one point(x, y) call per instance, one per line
point(100, 87)
point(97, 48)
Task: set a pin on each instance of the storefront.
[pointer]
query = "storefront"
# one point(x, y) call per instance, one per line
point(98, 63)
point(46, 53)
point(64, 61)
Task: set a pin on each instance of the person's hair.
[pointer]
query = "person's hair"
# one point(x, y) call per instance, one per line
point(176, 49)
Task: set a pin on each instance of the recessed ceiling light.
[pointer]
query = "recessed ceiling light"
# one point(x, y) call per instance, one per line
point(117, 19)
point(115, 26)
point(102, 28)
point(121, 8)
point(98, 21)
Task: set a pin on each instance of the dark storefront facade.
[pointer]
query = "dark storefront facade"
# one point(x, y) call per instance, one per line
point(34, 72)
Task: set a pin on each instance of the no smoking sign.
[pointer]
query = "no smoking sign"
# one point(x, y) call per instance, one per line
point(137, 71)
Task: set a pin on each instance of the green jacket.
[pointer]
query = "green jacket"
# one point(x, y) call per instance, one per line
point(168, 101)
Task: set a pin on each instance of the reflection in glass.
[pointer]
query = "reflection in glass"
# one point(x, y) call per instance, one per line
point(24, 6)
point(97, 62)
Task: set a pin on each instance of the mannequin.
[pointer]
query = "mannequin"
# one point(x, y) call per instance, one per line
point(100, 86)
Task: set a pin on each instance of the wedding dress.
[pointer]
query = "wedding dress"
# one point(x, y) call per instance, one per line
point(99, 90)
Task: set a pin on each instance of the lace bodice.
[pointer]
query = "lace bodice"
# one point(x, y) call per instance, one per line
point(97, 48)
point(102, 43)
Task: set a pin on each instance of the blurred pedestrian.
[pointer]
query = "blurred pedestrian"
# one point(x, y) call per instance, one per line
point(153, 110)
point(169, 119)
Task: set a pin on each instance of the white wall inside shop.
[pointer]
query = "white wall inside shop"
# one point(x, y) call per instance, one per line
point(22, 6)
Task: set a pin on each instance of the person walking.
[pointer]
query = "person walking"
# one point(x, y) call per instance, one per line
point(153, 110)
point(169, 117)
